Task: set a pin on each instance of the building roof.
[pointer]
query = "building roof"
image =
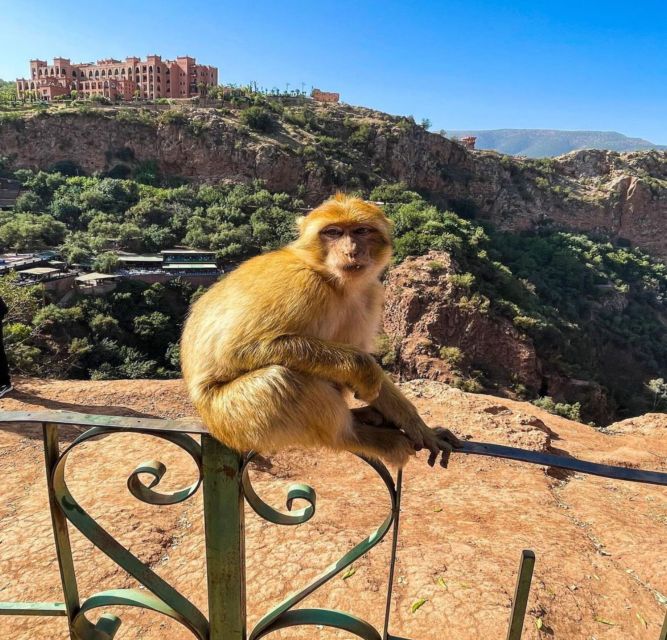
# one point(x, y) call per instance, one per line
point(89, 277)
point(138, 258)
point(186, 252)
point(40, 271)
point(190, 265)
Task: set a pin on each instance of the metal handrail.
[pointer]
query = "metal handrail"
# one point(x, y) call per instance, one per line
point(224, 475)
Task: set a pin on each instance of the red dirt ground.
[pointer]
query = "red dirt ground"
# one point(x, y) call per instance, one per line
point(601, 546)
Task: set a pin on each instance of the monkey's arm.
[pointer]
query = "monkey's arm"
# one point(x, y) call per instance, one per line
point(333, 361)
point(396, 408)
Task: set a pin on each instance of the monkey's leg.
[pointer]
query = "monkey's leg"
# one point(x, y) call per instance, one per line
point(273, 408)
point(340, 363)
point(387, 443)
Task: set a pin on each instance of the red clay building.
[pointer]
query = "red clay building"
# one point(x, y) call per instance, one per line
point(147, 79)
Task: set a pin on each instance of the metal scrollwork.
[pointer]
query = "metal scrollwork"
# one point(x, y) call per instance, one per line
point(162, 597)
point(284, 615)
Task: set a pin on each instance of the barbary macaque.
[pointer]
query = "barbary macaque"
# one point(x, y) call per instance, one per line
point(270, 352)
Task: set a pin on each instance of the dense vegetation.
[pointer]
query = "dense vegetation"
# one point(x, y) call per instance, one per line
point(594, 311)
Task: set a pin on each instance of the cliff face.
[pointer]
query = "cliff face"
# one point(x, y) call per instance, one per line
point(616, 195)
point(424, 313)
point(435, 328)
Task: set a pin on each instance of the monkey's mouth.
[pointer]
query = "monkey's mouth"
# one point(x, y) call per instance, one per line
point(351, 268)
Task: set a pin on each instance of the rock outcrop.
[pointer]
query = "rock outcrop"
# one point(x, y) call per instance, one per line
point(437, 332)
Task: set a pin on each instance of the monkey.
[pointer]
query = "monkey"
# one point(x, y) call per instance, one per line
point(271, 352)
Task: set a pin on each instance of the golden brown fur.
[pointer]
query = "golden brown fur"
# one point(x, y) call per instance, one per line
point(268, 352)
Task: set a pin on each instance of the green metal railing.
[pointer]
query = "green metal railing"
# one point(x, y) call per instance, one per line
point(226, 486)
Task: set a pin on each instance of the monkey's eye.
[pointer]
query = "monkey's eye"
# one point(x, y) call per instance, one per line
point(362, 231)
point(332, 232)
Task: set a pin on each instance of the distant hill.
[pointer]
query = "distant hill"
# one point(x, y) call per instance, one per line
point(540, 143)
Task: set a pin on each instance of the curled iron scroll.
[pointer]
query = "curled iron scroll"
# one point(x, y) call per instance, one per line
point(163, 598)
point(284, 615)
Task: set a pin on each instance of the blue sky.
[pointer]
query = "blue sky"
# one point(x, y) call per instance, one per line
point(462, 64)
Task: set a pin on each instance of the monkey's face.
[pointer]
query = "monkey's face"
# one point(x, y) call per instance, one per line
point(354, 250)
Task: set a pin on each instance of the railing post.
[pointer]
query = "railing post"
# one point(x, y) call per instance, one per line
point(392, 557)
point(60, 532)
point(225, 544)
point(521, 593)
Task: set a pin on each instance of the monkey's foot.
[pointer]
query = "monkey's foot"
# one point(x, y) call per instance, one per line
point(371, 416)
point(445, 443)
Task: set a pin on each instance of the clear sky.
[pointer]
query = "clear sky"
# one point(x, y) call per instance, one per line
point(464, 64)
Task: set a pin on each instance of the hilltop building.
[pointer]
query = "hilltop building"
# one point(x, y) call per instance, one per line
point(114, 79)
point(469, 142)
point(324, 96)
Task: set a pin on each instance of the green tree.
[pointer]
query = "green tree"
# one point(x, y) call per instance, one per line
point(658, 387)
point(26, 231)
point(23, 302)
point(106, 262)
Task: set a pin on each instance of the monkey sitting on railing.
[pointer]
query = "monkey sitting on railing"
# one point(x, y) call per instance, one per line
point(269, 352)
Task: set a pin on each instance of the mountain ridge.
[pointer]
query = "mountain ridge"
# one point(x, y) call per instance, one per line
point(540, 143)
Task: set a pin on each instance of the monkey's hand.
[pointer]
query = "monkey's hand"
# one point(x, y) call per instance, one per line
point(447, 442)
point(367, 379)
point(398, 410)
point(439, 441)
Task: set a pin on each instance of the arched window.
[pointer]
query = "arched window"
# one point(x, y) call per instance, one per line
point(106, 84)
point(52, 71)
point(97, 73)
point(103, 73)
point(122, 71)
point(90, 73)
point(150, 68)
point(116, 72)
point(136, 70)
point(63, 72)
point(32, 85)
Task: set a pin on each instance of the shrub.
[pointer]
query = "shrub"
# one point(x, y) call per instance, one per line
point(451, 355)
point(172, 116)
point(386, 349)
point(569, 411)
point(469, 385)
point(258, 119)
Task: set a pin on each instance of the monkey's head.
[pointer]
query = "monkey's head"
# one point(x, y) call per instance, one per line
point(349, 236)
